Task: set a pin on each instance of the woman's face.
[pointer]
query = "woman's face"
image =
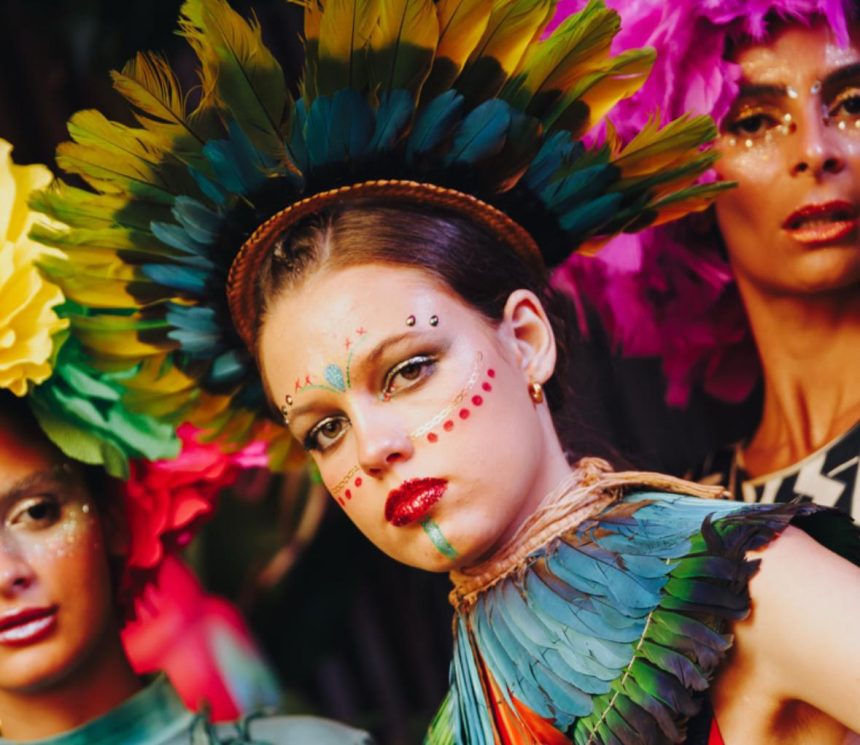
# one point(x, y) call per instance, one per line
point(55, 589)
point(414, 407)
point(792, 142)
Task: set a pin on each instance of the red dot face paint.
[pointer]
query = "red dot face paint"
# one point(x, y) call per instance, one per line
point(491, 373)
point(432, 437)
point(348, 494)
point(358, 481)
point(477, 400)
point(464, 413)
point(487, 387)
point(448, 426)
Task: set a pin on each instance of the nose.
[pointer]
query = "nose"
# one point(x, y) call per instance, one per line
point(16, 574)
point(381, 439)
point(819, 148)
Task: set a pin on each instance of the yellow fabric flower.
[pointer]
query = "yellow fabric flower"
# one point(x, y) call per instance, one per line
point(27, 318)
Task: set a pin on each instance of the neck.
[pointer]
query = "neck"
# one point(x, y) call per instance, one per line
point(808, 345)
point(97, 686)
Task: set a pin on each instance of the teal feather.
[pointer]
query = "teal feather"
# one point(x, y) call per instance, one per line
point(392, 119)
point(177, 237)
point(228, 368)
point(338, 128)
point(592, 215)
point(238, 166)
point(298, 144)
point(182, 279)
point(556, 153)
point(481, 134)
point(572, 190)
point(434, 123)
point(201, 223)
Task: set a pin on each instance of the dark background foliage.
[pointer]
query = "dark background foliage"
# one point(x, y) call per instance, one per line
point(352, 635)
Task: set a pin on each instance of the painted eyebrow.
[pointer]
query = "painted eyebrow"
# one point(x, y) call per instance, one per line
point(367, 359)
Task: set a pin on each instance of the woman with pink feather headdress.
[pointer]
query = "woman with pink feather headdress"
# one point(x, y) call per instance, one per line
point(768, 282)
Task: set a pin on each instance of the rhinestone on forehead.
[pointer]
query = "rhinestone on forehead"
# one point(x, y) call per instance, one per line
point(410, 321)
point(434, 320)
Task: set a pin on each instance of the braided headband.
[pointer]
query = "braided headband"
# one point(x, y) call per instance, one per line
point(242, 279)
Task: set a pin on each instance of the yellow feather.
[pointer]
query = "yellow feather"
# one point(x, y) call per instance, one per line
point(239, 69)
point(345, 30)
point(656, 148)
point(597, 93)
point(579, 46)
point(403, 43)
point(512, 26)
point(462, 24)
point(149, 83)
point(119, 336)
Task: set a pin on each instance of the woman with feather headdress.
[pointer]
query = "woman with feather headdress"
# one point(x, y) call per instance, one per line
point(379, 247)
point(779, 77)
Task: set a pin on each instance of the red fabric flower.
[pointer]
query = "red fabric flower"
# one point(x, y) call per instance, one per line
point(166, 500)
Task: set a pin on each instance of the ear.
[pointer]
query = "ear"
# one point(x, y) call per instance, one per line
point(526, 328)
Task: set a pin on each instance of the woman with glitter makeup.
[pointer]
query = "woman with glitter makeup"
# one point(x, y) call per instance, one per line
point(782, 79)
point(64, 675)
point(381, 246)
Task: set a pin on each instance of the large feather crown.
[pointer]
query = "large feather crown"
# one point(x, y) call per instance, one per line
point(460, 100)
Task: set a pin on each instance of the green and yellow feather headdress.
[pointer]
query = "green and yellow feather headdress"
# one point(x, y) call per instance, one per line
point(460, 102)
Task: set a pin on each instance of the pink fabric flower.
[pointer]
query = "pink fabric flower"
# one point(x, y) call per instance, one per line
point(201, 643)
point(668, 291)
point(166, 500)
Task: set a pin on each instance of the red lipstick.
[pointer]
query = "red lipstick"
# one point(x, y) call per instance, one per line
point(27, 625)
point(412, 500)
point(819, 224)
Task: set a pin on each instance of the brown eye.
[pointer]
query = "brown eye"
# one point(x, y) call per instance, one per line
point(326, 433)
point(407, 374)
point(754, 125)
point(38, 511)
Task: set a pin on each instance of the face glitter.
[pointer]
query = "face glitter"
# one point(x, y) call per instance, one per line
point(434, 320)
point(410, 321)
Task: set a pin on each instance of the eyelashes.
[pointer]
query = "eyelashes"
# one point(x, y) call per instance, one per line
point(411, 371)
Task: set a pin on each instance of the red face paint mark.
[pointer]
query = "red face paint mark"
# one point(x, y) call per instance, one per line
point(432, 437)
point(491, 373)
point(361, 331)
point(487, 387)
point(348, 494)
point(347, 344)
point(308, 380)
point(448, 426)
point(298, 386)
point(477, 400)
point(464, 413)
point(358, 481)
point(341, 502)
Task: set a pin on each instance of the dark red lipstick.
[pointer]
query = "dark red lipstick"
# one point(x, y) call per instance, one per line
point(27, 625)
point(413, 499)
point(818, 224)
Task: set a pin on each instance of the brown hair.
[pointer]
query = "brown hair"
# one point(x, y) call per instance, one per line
point(482, 271)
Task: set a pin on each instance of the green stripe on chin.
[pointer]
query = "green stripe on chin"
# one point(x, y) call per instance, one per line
point(434, 533)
